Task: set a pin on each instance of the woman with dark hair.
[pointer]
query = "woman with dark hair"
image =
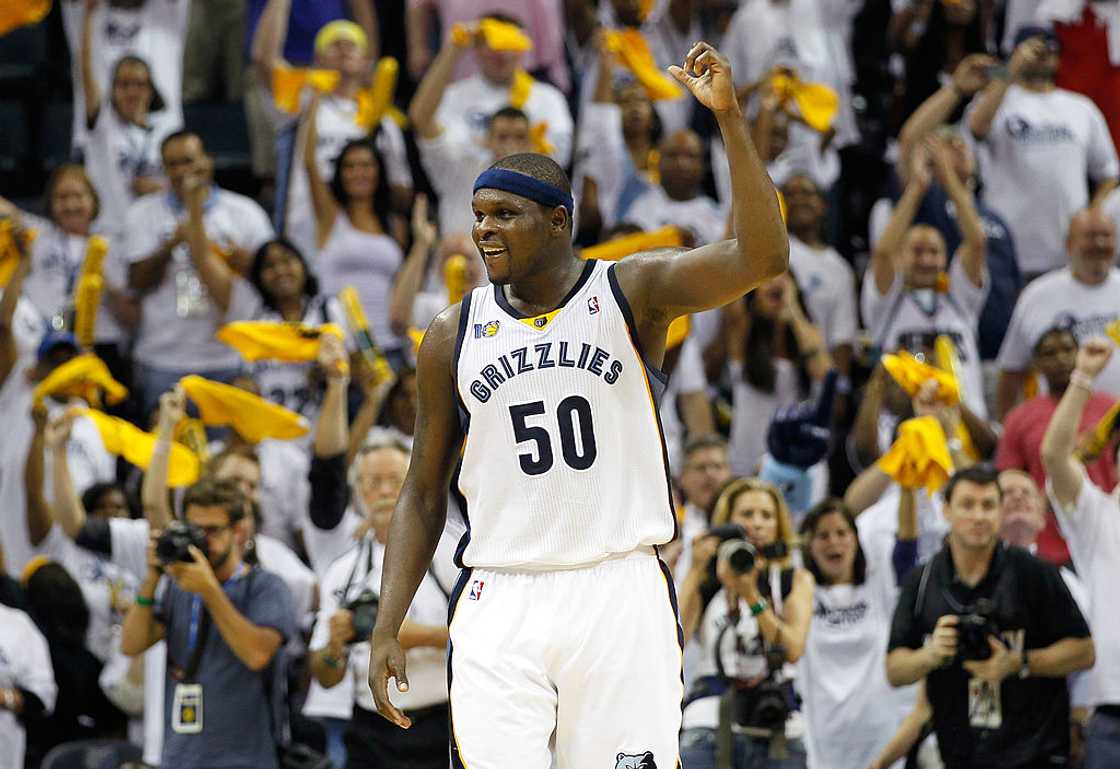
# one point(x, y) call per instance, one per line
point(851, 712)
point(82, 711)
point(281, 287)
point(351, 220)
point(775, 357)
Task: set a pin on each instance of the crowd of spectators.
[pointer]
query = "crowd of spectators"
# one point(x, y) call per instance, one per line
point(895, 465)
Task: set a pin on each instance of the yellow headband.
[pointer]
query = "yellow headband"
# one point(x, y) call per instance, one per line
point(341, 29)
point(32, 566)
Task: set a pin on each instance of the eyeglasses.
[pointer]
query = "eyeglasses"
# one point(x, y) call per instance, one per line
point(213, 531)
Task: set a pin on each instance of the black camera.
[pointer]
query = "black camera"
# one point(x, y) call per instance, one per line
point(767, 704)
point(363, 610)
point(973, 630)
point(737, 550)
point(173, 543)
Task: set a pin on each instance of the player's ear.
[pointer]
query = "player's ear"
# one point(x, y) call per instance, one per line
point(559, 219)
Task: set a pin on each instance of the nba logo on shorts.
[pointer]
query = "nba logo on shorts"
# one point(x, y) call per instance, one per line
point(476, 590)
point(593, 305)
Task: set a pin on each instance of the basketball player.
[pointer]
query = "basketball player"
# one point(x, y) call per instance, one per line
point(563, 622)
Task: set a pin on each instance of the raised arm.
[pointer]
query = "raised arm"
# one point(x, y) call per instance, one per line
point(410, 277)
point(422, 509)
point(216, 275)
point(68, 511)
point(140, 629)
point(331, 436)
point(39, 518)
point(153, 489)
point(810, 342)
point(90, 86)
point(984, 114)
point(969, 77)
point(9, 351)
point(422, 109)
point(323, 204)
point(267, 51)
point(974, 242)
point(666, 285)
point(365, 17)
point(1064, 470)
point(909, 732)
point(890, 243)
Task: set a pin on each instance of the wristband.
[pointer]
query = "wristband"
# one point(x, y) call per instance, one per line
point(142, 601)
point(758, 608)
point(1082, 380)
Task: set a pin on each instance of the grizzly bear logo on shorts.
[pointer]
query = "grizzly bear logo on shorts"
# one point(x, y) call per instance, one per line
point(635, 761)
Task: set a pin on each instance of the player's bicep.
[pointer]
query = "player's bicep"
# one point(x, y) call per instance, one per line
point(436, 436)
point(675, 282)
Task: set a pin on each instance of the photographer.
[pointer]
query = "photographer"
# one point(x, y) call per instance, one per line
point(749, 610)
point(994, 631)
point(348, 608)
point(224, 623)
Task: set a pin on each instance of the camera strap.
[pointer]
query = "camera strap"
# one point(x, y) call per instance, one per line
point(196, 639)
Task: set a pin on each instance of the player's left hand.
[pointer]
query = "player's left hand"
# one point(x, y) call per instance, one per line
point(386, 660)
point(707, 74)
point(999, 666)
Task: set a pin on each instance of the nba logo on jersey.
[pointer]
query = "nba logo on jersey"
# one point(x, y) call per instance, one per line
point(593, 305)
point(476, 590)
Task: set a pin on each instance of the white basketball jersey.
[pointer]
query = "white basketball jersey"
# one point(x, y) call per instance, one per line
point(563, 462)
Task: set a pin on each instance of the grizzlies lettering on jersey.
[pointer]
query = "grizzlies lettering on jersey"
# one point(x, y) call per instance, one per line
point(563, 462)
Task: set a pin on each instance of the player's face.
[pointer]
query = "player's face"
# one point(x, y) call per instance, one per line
point(757, 513)
point(1023, 516)
point(72, 204)
point(974, 514)
point(509, 231)
point(381, 474)
point(833, 548)
point(359, 172)
point(923, 257)
point(282, 273)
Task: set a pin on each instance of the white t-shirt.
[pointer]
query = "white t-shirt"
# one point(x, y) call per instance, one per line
point(56, 265)
point(116, 153)
point(1091, 527)
point(911, 320)
point(155, 31)
point(104, 586)
point(851, 711)
point(803, 155)
point(178, 319)
point(467, 105)
point(701, 215)
point(87, 459)
point(359, 570)
point(25, 662)
point(335, 126)
point(602, 156)
point(1035, 161)
point(369, 263)
point(278, 558)
point(828, 285)
point(751, 412)
point(453, 162)
point(325, 546)
point(1058, 299)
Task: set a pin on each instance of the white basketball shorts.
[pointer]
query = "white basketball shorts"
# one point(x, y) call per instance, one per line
point(587, 660)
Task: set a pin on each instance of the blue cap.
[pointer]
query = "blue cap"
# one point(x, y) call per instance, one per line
point(1027, 31)
point(800, 435)
point(55, 339)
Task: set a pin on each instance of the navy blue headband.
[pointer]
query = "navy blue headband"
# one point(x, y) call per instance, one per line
point(526, 186)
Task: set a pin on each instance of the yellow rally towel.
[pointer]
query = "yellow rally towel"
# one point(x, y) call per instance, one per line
point(85, 376)
point(87, 294)
point(503, 36)
point(1113, 331)
point(269, 340)
point(617, 248)
point(632, 50)
point(538, 135)
point(455, 278)
point(678, 331)
point(288, 83)
point(519, 92)
point(374, 102)
point(816, 102)
point(192, 434)
point(919, 457)
point(1096, 440)
point(126, 440)
point(22, 13)
point(911, 374)
point(254, 418)
point(9, 251)
point(947, 360)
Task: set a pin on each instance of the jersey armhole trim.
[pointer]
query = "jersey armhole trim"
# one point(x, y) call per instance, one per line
point(460, 337)
point(628, 316)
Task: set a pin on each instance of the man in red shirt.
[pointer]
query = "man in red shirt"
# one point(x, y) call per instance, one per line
point(1020, 446)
